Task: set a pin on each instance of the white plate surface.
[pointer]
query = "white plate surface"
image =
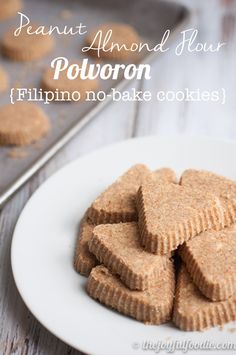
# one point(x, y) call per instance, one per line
point(44, 240)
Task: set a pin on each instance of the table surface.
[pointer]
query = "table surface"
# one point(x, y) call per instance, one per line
point(20, 332)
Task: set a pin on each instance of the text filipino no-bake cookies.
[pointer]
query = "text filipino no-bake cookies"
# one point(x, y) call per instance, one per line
point(131, 234)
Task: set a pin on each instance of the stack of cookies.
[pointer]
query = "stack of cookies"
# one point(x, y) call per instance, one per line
point(132, 233)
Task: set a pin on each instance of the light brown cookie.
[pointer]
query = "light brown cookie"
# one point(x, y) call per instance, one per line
point(84, 261)
point(224, 188)
point(117, 246)
point(123, 36)
point(3, 80)
point(164, 175)
point(170, 214)
point(22, 124)
point(153, 306)
point(65, 86)
point(117, 203)
point(9, 8)
point(26, 47)
point(210, 258)
point(193, 311)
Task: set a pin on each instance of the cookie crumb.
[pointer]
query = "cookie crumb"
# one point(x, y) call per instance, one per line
point(168, 338)
point(17, 153)
point(66, 14)
point(232, 330)
point(17, 85)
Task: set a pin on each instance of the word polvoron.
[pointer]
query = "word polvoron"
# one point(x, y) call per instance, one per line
point(91, 71)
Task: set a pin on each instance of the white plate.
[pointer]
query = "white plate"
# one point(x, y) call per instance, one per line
point(44, 240)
